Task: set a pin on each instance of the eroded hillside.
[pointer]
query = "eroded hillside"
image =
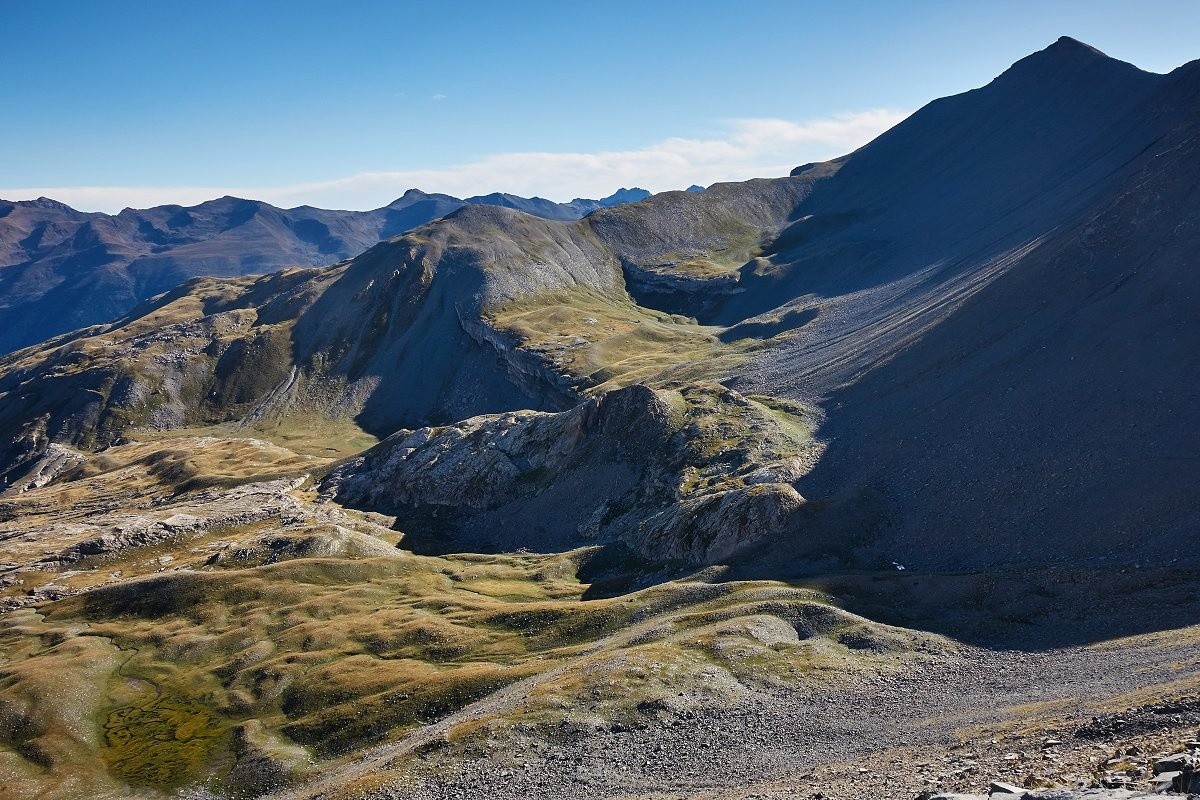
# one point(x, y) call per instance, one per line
point(488, 310)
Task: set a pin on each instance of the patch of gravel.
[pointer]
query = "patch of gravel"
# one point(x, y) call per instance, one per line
point(954, 724)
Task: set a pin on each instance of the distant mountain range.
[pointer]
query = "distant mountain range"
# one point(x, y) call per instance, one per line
point(61, 269)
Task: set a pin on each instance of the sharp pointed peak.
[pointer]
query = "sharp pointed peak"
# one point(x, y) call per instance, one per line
point(1068, 56)
point(1065, 44)
point(1066, 51)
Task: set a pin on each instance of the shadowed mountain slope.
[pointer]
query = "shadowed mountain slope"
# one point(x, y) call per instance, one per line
point(1052, 418)
point(965, 181)
point(61, 269)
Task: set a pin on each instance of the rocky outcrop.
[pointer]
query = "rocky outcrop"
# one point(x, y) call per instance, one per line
point(209, 510)
point(56, 460)
point(694, 474)
point(134, 497)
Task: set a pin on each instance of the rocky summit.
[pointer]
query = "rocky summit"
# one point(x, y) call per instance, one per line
point(872, 480)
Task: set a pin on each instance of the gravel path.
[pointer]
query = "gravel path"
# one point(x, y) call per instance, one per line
point(953, 724)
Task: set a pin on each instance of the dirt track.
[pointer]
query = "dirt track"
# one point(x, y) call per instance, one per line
point(946, 725)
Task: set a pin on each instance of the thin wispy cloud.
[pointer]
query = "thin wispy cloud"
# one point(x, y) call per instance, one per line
point(437, 98)
point(748, 148)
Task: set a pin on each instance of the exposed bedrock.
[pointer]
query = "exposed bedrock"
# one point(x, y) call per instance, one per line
point(694, 474)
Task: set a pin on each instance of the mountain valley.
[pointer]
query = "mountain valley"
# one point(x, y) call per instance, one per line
point(848, 483)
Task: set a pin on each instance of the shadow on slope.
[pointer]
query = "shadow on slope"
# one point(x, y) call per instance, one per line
point(1024, 609)
point(402, 327)
point(1034, 456)
point(962, 180)
point(767, 328)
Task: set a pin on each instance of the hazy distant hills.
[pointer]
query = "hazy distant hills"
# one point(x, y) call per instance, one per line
point(548, 209)
point(61, 268)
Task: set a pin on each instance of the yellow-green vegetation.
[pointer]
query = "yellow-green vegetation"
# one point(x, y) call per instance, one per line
point(796, 419)
point(205, 354)
point(720, 422)
point(52, 695)
point(110, 487)
point(190, 463)
point(254, 646)
point(722, 452)
point(150, 679)
point(167, 741)
point(316, 435)
point(179, 312)
point(613, 343)
point(311, 435)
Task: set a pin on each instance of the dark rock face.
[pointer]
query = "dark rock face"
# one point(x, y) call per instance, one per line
point(1036, 405)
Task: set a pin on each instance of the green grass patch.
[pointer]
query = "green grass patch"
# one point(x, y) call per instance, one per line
point(166, 742)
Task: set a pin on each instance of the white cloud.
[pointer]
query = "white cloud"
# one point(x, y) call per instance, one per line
point(749, 148)
point(437, 98)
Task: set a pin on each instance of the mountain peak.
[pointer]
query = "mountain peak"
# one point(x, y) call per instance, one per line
point(46, 202)
point(225, 201)
point(1065, 44)
point(623, 195)
point(1064, 54)
point(1069, 59)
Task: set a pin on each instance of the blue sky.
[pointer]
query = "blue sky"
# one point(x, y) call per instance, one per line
point(108, 104)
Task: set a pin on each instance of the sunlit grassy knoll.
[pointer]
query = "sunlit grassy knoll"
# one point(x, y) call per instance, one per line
point(310, 435)
point(123, 487)
point(75, 351)
point(613, 343)
point(744, 243)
